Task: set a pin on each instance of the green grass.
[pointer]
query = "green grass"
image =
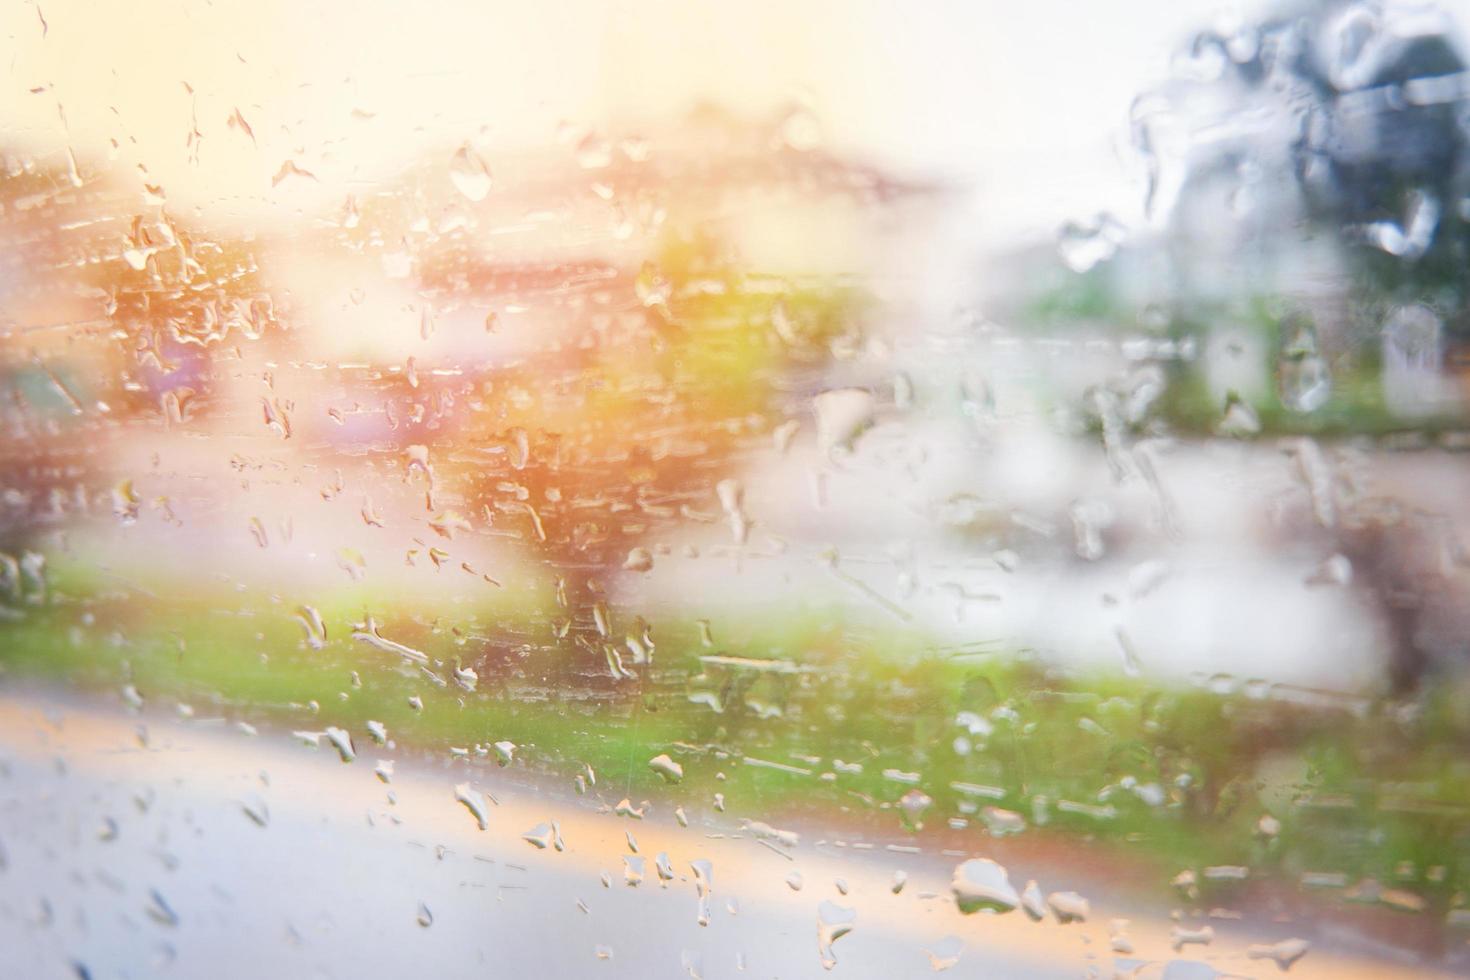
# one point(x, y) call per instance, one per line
point(1059, 303)
point(852, 692)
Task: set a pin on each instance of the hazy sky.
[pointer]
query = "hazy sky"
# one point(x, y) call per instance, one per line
point(1025, 99)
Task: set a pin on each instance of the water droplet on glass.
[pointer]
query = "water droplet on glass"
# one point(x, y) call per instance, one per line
point(593, 152)
point(663, 867)
point(1283, 954)
point(545, 835)
point(311, 622)
point(254, 807)
point(670, 770)
point(1413, 356)
point(1240, 421)
point(469, 174)
point(1410, 236)
point(703, 885)
point(1068, 906)
point(833, 922)
point(1001, 822)
point(369, 633)
point(1084, 244)
point(159, 910)
point(913, 805)
point(982, 885)
point(638, 560)
point(1032, 901)
point(350, 215)
point(1334, 570)
point(1302, 376)
point(125, 502)
point(842, 414)
point(474, 802)
point(945, 953)
point(1181, 936)
point(341, 741)
point(289, 169)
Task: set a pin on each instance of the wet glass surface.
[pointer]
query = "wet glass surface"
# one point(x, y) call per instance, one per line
point(676, 490)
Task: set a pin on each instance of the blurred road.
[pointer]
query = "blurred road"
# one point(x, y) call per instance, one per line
point(96, 820)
